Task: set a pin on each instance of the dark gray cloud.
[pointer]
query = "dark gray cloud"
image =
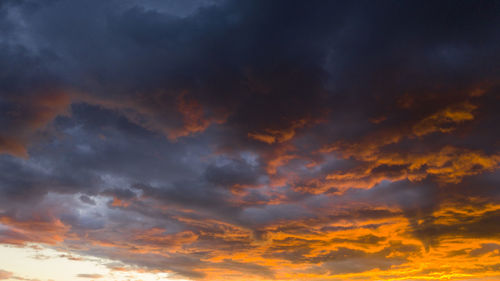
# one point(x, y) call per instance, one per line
point(172, 134)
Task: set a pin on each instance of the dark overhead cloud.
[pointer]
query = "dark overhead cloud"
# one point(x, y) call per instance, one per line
point(267, 140)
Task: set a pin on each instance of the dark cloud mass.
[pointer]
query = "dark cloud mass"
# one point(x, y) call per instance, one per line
point(256, 140)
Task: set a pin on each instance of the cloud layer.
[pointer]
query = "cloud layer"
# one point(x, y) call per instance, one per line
point(263, 140)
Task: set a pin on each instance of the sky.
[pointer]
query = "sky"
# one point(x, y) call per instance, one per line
point(202, 140)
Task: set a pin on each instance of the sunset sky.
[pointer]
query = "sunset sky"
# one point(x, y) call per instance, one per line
point(249, 140)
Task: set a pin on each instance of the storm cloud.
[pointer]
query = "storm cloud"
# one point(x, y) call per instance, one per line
point(263, 140)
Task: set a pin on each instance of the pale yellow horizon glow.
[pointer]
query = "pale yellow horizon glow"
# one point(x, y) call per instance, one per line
point(40, 263)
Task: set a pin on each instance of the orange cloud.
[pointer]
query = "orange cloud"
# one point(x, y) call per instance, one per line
point(156, 240)
point(13, 147)
point(5, 274)
point(194, 118)
point(36, 230)
point(447, 164)
point(174, 115)
point(271, 136)
point(445, 120)
point(30, 115)
point(340, 244)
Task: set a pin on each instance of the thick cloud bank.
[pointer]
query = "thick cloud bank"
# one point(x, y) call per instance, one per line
point(255, 140)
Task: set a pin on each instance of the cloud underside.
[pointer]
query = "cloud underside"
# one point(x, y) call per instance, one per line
point(263, 140)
